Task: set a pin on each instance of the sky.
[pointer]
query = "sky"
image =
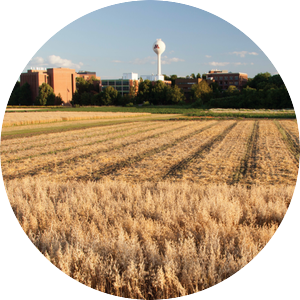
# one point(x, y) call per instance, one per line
point(118, 39)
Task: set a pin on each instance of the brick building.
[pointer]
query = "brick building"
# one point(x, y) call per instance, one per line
point(87, 75)
point(225, 78)
point(62, 80)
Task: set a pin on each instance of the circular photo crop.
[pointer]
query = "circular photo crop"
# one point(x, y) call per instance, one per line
point(149, 150)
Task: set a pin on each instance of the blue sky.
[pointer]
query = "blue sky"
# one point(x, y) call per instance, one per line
point(118, 39)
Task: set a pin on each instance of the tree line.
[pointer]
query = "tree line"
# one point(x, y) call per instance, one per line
point(262, 91)
point(158, 93)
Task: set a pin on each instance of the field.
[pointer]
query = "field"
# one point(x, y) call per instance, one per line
point(149, 207)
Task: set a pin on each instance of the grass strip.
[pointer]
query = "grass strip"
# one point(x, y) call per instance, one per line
point(19, 133)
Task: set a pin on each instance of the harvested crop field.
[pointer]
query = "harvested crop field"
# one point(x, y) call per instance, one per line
point(27, 118)
point(153, 209)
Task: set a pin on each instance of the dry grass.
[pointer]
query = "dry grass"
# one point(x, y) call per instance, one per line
point(272, 162)
point(149, 210)
point(27, 118)
point(148, 241)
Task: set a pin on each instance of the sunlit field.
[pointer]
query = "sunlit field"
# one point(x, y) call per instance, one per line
point(151, 208)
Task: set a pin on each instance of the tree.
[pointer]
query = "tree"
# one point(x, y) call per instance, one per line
point(85, 98)
point(15, 94)
point(46, 95)
point(158, 92)
point(259, 81)
point(144, 91)
point(108, 96)
point(76, 98)
point(232, 89)
point(193, 76)
point(25, 94)
point(200, 90)
point(58, 100)
point(174, 95)
point(198, 75)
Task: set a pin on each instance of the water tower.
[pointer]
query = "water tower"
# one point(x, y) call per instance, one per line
point(159, 47)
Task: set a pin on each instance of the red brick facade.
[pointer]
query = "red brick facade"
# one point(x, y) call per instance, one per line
point(225, 79)
point(62, 80)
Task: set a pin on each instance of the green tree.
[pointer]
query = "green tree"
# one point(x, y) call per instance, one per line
point(108, 96)
point(193, 75)
point(15, 94)
point(232, 89)
point(174, 95)
point(158, 92)
point(200, 90)
point(198, 75)
point(144, 92)
point(25, 94)
point(46, 95)
point(76, 99)
point(85, 98)
point(259, 81)
point(58, 100)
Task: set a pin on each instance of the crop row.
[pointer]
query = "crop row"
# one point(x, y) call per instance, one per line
point(75, 140)
point(23, 143)
point(156, 167)
point(292, 128)
point(271, 161)
point(32, 165)
point(219, 164)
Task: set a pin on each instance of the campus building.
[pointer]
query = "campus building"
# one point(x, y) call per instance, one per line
point(122, 85)
point(186, 84)
point(225, 78)
point(87, 75)
point(62, 80)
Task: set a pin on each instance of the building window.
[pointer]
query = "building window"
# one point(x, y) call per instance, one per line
point(221, 82)
point(119, 88)
point(236, 77)
point(221, 77)
point(111, 82)
point(226, 77)
point(126, 88)
point(125, 82)
point(216, 78)
point(104, 82)
point(118, 82)
point(236, 83)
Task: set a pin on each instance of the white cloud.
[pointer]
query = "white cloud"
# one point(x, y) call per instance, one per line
point(253, 53)
point(166, 61)
point(208, 56)
point(218, 64)
point(53, 61)
point(116, 61)
point(243, 53)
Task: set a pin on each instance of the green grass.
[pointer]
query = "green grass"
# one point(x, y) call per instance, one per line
point(71, 125)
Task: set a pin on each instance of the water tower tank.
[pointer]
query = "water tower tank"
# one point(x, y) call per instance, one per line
point(159, 47)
